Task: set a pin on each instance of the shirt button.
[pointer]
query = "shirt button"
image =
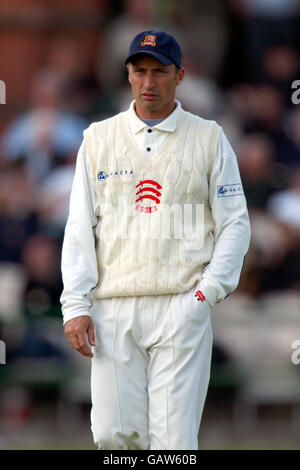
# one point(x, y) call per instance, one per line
point(148, 149)
point(149, 130)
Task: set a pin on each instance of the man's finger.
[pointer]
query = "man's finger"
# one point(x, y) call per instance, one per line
point(73, 340)
point(76, 331)
point(83, 345)
point(91, 334)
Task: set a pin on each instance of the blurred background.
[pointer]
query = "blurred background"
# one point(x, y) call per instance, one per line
point(62, 62)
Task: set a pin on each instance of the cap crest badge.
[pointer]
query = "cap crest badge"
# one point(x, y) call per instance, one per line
point(149, 40)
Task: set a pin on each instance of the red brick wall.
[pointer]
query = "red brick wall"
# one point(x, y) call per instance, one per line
point(29, 28)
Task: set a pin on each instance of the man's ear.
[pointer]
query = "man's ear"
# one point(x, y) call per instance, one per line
point(128, 67)
point(180, 76)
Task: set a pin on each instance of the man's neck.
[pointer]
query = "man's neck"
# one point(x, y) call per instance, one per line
point(151, 122)
point(145, 114)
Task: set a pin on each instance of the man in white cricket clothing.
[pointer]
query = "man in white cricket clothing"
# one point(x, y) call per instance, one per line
point(157, 233)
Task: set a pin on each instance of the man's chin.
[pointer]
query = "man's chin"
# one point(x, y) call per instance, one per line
point(150, 105)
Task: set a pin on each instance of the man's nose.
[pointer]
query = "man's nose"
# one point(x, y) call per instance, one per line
point(149, 81)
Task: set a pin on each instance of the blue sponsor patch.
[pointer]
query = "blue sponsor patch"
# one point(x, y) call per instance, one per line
point(230, 190)
point(102, 175)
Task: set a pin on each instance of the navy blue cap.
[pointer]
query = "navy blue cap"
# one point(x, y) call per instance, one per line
point(160, 45)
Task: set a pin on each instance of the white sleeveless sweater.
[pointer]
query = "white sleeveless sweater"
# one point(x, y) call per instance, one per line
point(179, 175)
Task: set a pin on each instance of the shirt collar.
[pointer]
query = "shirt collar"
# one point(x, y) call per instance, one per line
point(167, 125)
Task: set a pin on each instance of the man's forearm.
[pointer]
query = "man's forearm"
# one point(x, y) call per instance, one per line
point(232, 227)
point(79, 263)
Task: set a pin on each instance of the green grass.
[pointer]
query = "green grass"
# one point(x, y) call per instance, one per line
point(245, 445)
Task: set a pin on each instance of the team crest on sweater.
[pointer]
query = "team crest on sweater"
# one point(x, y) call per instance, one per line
point(148, 193)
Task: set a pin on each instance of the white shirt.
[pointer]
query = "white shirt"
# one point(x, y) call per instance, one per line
point(151, 139)
point(232, 231)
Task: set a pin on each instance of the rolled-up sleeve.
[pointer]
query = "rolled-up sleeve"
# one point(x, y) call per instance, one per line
point(232, 227)
point(78, 260)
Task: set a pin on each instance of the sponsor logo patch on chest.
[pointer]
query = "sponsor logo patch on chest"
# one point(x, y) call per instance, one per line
point(103, 175)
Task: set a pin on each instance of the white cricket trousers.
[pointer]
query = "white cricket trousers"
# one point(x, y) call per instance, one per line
point(150, 371)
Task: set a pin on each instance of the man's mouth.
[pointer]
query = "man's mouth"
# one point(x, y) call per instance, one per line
point(149, 96)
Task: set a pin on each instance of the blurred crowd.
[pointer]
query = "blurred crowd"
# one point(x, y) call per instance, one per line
point(241, 58)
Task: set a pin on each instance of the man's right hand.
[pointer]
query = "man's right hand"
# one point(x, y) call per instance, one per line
point(77, 331)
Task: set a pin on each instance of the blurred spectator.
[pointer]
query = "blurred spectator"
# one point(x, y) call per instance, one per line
point(41, 260)
point(12, 281)
point(265, 110)
point(285, 205)
point(52, 200)
point(44, 134)
point(17, 218)
point(260, 176)
point(281, 65)
point(266, 23)
point(137, 16)
point(202, 27)
point(289, 151)
point(81, 91)
point(275, 246)
point(261, 108)
point(198, 94)
point(268, 262)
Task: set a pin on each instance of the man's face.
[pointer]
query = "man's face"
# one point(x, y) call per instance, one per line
point(153, 86)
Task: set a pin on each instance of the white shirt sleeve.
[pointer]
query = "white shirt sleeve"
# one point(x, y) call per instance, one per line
point(232, 227)
point(79, 262)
